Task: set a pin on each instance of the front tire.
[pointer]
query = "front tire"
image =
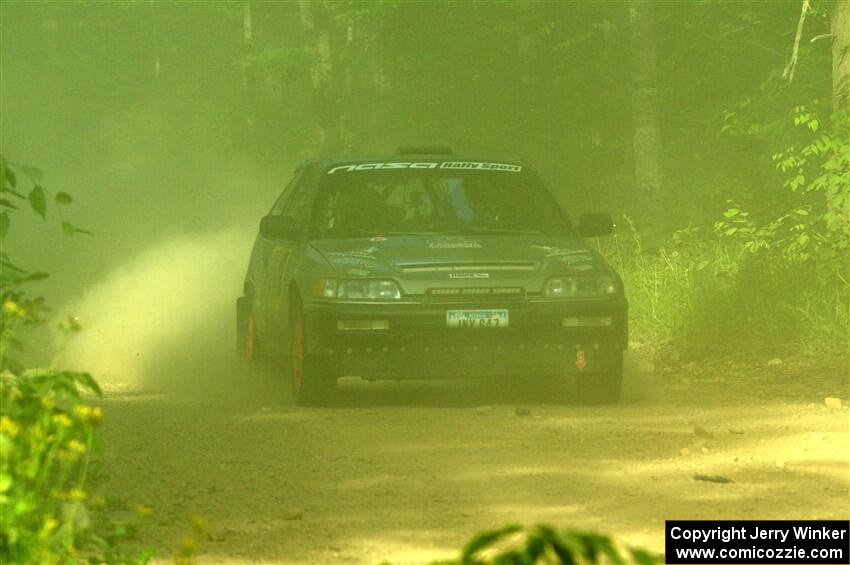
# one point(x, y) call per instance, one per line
point(312, 382)
point(602, 388)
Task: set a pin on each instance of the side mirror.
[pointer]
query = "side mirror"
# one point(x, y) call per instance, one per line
point(594, 225)
point(280, 227)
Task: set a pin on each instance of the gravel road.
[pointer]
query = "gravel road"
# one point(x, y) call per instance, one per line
point(405, 473)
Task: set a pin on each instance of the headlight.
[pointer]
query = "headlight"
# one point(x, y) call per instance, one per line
point(358, 289)
point(580, 287)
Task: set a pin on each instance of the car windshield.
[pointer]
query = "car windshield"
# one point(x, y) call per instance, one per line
point(353, 202)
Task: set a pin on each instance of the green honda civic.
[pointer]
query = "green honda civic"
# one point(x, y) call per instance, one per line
point(428, 265)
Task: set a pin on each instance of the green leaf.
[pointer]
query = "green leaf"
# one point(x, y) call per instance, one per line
point(731, 212)
point(87, 232)
point(34, 173)
point(7, 204)
point(63, 198)
point(813, 125)
point(5, 482)
point(38, 201)
point(35, 277)
point(5, 261)
point(10, 177)
point(4, 224)
point(67, 228)
point(486, 539)
point(642, 557)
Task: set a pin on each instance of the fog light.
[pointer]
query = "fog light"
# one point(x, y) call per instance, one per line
point(362, 325)
point(588, 321)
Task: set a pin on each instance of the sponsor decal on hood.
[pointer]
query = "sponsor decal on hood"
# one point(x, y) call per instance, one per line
point(457, 242)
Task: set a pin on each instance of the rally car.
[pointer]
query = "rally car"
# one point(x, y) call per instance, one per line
point(428, 265)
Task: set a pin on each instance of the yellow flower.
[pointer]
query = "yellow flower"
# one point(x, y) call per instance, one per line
point(9, 426)
point(36, 431)
point(188, 545)
point(143, 510)
point(62, 420)
point(10, 306)
point(46, 402)
point(199, 523)
point(92, 415)
point(48, 526)
point(77, 445)
point(76, 494)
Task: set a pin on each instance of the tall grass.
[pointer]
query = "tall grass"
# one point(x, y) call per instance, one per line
point(706, 294)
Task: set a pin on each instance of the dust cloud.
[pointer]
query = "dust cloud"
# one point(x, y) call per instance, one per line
point(163, 320)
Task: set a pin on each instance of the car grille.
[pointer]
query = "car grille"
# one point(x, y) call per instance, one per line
point(475, 294)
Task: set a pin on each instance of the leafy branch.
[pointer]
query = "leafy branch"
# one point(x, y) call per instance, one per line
point(516, 545)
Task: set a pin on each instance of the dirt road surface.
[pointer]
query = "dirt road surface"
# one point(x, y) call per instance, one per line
point(406, 473)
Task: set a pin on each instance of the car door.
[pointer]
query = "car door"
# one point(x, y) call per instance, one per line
point(277, 253)
point(262, 259)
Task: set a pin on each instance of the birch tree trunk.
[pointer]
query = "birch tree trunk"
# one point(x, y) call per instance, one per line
point(648, 168)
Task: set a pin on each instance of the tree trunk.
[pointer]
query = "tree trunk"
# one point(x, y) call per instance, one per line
point(839, 24)
point(319, 51)
point(346, 134)
point(645, 115)
point(839, 27)
point(159, 118)
point(249, 71)
point(528, 19)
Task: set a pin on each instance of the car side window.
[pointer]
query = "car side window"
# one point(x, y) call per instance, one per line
point(298, 206)
point(285, 196)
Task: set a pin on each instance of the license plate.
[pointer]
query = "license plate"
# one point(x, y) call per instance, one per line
point(477, 318)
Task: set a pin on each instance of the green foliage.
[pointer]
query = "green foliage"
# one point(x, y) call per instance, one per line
point(46, 425)
point(769, 275)
point(735, 292)
point(46, 444)
point(515, 545)
point(821, 166)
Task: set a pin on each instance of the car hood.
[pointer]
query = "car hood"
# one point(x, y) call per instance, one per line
point(422, 262)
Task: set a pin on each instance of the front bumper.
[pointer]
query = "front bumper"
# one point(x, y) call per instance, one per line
point(417, 343)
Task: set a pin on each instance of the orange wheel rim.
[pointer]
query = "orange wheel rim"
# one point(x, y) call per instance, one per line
point(297, 356)
point(249, 340)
